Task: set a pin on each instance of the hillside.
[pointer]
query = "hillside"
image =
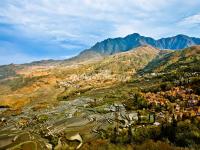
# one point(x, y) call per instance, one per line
point(78, 76)
point(103, 49)
point(187, 60)
point(13, 70)
point(107, 72)
point(116, 45)
point(47, 105)
point(86, 57)
point(85, 76)
point(130, 61)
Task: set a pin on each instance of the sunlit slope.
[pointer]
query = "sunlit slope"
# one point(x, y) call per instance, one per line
point(108, 72)
point(44, 84)
point(182, 61)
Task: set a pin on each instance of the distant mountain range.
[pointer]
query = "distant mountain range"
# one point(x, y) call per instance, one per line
point(109, 47)
point(117, 45)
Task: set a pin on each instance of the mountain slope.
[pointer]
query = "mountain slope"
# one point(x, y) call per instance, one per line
point(110, 70)
point(116, 45)
point(7, 71)
point(187, 60)
point(128, 62)
point(86, 57)
point(105, 48)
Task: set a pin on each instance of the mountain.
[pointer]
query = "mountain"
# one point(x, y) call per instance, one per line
point(128, 62)
point(116, 45)
point(105, 48)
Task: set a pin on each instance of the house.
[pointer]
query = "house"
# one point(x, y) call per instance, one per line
point(198, 111)
point(156, 124)
point(177, 108)
point(3, 119)
point(192, 103)
point(153, 74)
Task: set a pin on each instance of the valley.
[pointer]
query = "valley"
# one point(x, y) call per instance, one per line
point(128, 100)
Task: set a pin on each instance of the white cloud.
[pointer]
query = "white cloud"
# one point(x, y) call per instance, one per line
point(191, 20)
point(84, 22)
point(70, 19)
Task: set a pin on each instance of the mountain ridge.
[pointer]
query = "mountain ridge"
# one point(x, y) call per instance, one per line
point(115, 45)
point(109, 47)
point(122, 44)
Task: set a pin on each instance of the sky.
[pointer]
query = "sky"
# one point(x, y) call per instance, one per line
point(33, 30)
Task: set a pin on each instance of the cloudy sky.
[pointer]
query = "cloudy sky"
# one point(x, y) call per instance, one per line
point(58, 29)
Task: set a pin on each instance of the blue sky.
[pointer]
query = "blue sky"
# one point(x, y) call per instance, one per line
point(58, 29)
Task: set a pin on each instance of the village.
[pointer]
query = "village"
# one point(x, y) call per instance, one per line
point(82, 113)
point(79, 117)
